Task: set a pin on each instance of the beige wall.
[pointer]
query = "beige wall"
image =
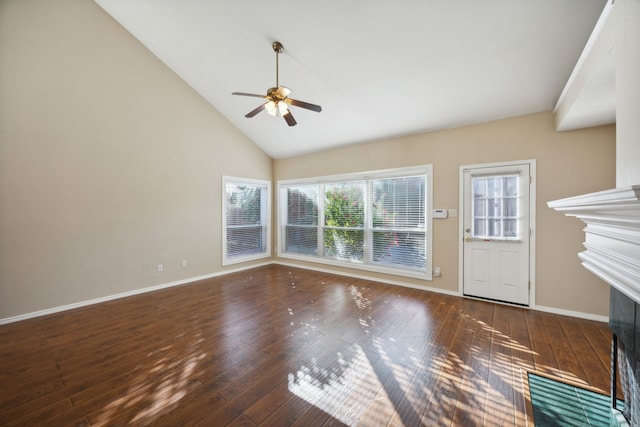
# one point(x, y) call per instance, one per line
point(109, 163)
point(568, 163)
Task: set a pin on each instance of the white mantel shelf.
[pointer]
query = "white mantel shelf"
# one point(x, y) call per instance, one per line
point(612, 235)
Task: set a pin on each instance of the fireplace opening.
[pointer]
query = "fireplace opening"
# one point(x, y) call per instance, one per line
point(624, 321)
point(626, 374)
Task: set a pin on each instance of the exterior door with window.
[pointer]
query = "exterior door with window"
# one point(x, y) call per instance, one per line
point(496, 232)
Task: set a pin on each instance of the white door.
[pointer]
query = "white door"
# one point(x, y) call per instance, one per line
point(496, 232)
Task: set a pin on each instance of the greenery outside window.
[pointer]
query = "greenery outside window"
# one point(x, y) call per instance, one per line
point(378, 221)
point(246, 218)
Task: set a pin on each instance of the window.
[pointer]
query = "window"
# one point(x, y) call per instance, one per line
point(246, 219)
point(378, 221)
point(301, 231)
point(495, 207)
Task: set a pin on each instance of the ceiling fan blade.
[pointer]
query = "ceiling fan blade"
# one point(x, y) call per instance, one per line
point(248, 94)
point(256, 111)
point(289, 118)
point(305, 105)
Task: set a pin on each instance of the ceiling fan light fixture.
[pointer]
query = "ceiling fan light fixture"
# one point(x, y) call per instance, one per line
point(271, 108)
point(282, 108)
point(276, 108)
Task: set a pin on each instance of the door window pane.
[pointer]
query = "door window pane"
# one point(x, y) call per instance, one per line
point(494, 187)
point(479, 227)
point(494, 227)
point(479, 188)
point(510, 207)
point(495, 207)
point(510, 186)
point(510, 228)
point(479, 207)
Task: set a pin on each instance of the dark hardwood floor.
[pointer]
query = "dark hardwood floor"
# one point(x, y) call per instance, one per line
point(283, 346)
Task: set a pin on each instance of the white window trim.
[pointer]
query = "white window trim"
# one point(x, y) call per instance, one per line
point(265, 216)
point(385, 173)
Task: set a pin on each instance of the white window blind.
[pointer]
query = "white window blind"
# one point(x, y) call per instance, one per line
point(399, 221)
point(301, 229)
point(377, 221)
point(245, 220)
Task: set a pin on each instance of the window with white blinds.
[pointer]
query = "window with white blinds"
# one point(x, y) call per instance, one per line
point(246, 232)
point(301, 229)
point(379, 221)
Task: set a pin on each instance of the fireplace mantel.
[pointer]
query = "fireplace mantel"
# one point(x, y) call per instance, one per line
point(612, 235)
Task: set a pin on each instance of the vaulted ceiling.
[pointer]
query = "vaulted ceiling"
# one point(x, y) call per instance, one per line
point(378, 68)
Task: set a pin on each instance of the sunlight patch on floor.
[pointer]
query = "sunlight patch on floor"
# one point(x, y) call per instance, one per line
point(334, 392)
point(156, 398)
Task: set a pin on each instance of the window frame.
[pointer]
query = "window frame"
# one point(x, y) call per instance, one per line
point(265, 218)
point(367, 264)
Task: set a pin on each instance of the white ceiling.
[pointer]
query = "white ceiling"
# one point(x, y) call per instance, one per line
point(378, 68)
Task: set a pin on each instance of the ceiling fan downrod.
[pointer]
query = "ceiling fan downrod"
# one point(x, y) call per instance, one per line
point(277, 48)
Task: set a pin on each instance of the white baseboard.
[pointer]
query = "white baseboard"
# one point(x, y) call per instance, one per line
point(552, 310)
point(578, 314)
point(373, 279)
point(123, 295)
point(53, 310)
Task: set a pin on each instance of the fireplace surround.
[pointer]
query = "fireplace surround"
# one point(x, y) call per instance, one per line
point(612, 243)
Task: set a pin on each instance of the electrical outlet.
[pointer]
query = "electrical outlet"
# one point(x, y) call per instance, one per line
point(184, 263)
point(436, 271)
point(160, 268)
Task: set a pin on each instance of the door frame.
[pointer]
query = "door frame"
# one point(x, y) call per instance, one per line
point(532, 223)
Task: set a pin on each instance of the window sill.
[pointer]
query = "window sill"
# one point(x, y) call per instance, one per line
point(414, 274)
point(248, 258)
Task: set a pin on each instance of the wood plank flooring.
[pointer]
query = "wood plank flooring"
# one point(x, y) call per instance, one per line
point(283, 346)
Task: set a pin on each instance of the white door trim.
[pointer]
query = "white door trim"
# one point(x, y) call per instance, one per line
point(532, 219)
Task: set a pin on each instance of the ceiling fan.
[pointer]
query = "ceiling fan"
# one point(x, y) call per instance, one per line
point(278, 100)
